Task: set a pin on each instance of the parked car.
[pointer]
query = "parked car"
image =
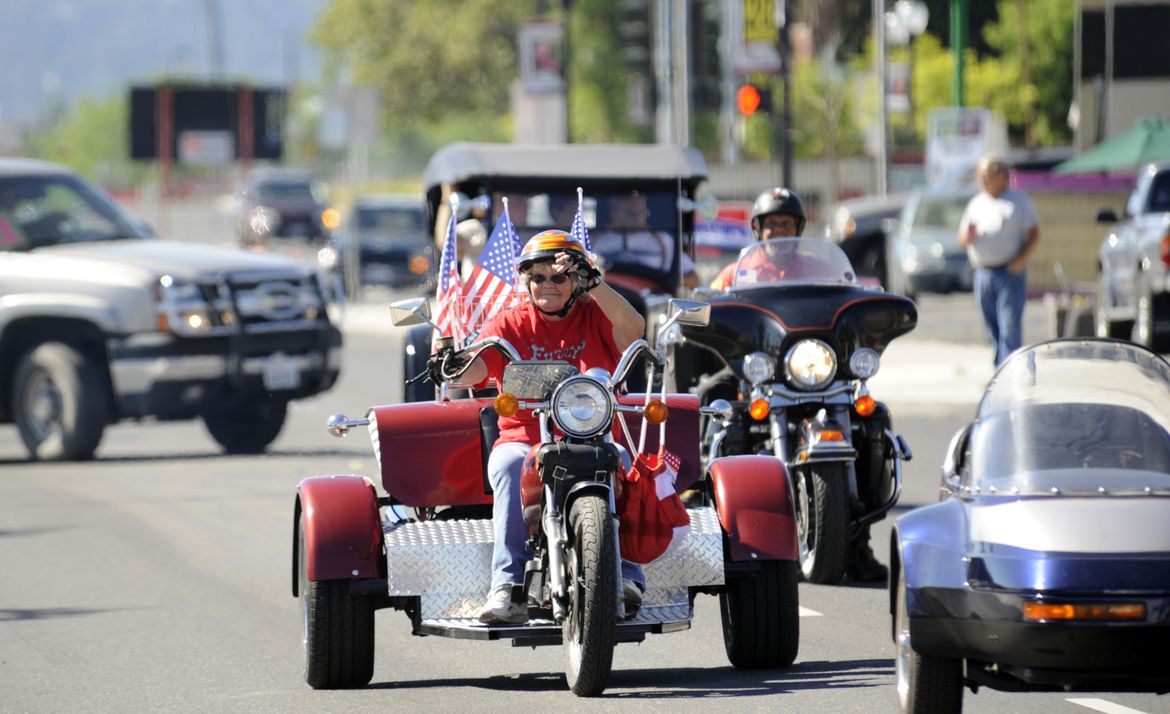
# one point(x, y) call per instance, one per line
point(102, 322)
point(384, 242)
point(924, 251)
point(1133, 284)
point(284, 203)
point(541, 184)
point(1046, 564)
point(859, 226)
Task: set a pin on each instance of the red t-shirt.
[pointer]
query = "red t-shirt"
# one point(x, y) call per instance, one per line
point(583, 338)
point(763, 270)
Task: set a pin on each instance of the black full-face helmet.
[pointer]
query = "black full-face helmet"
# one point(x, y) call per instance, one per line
point(777, 200)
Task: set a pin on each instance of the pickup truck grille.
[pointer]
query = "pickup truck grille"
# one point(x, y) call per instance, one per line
point(275, 302)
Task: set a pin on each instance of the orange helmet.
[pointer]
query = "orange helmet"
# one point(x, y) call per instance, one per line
point(545, 246)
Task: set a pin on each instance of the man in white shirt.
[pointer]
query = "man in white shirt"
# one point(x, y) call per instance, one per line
point(1000, 230)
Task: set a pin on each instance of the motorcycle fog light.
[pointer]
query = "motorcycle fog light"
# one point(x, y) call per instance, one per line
point(864, 363)
point(810, 364)
point(758, 367)
point(581, 407)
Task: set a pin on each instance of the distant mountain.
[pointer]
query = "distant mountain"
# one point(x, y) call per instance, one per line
point(52, 50)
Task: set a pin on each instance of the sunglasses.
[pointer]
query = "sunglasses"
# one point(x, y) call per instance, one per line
point(555, 278)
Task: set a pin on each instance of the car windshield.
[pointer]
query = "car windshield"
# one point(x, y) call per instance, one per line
point(940, 212)
point(1083, 416)
point(286, 190)
point(625, 228)
point(387, 226)
point(792, 260)
point(43, 210)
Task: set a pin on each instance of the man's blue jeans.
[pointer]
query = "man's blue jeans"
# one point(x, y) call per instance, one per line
point(1001, 295)
point(509, 551)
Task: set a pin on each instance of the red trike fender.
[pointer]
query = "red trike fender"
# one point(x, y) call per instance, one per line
point(751, 498)
point(343, 532)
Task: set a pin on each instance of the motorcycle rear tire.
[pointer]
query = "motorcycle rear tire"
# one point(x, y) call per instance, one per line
point(338, 629)
point(823, 527)
point(589, 630)
point(761, 616)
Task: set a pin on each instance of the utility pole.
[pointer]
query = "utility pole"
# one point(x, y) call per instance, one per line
point(786, 79)
point(958, 45)
point(214, 40)
point(879, 31)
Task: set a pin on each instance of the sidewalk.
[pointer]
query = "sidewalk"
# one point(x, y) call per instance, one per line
point(916, 376)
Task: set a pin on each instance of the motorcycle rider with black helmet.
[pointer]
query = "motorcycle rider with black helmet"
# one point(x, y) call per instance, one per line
point(779, 213)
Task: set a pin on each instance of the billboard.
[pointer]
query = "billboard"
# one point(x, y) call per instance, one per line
point(207, 123)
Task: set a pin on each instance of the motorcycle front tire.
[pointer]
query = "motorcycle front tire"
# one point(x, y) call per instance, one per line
point(823, 526)
point(589, 630)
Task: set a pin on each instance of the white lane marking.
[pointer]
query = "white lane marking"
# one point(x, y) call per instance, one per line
point(805, 612)
point(1103, 706)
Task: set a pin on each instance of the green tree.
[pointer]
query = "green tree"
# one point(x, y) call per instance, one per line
point(91, 138)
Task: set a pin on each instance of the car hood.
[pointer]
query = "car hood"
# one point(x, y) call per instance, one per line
point(149, 259)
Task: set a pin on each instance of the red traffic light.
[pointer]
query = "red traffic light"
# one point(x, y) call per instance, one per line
point(747, 99)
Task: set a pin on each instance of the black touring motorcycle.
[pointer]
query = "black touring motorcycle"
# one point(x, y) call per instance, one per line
point(797, 337)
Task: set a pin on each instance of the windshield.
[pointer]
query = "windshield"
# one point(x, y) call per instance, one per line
point(288, 190)
point(388, 226)
point(792, 260)
point(45, 210)
point(940, 212)
point(1075, 416)
point(639, 228)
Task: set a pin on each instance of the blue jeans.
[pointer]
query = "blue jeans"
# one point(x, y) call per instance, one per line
point(1001, 295)
point(509, 549)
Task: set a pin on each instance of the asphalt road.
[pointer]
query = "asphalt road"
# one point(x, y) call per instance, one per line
point(157, 578)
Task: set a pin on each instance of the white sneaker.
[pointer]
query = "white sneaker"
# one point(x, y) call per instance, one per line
point(500, 610)
point(632, 594)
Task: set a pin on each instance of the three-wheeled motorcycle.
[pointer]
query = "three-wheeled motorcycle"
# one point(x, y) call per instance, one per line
point(798, 337)
point(424, 545)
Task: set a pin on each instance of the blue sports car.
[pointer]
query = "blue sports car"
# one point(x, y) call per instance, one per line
point(1046, 563)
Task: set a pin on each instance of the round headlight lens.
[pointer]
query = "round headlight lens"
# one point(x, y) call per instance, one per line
point(581, 407)
point(864, 363)
point(759, 367)
point(810, 364)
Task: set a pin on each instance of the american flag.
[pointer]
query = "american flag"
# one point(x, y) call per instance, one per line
point(492, 285)
point(579, 232)
point(448, 294)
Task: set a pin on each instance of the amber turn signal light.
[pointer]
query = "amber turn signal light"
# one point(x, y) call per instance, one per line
point(331, 218)
point(1084, 611)
point(655, 412)
point(507, 405)
point(864, 405)
point(759, 409)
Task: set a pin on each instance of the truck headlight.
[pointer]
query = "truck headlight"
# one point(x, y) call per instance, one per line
point(810, 365)
point(582, 407)
point(188, 309)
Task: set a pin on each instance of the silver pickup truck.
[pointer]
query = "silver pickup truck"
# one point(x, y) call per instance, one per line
point(100, 322)
point(1133, 292)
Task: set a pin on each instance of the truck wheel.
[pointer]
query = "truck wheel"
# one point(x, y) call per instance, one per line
point(248, 429)
point(761, 616)
point(822, 522)
point(338, 630)
point(588, 631)
point(60, 403)
point(925, 685)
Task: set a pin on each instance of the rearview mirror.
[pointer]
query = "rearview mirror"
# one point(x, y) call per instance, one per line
point(690, 312)
point(415, 311)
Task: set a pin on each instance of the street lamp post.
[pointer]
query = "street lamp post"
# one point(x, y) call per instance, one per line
point(901, 24)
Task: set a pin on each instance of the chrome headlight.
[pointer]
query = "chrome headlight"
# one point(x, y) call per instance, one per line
point(188, 309)
point(864, 363)
point(582, 407)
point(759, 367)
point(810, 365)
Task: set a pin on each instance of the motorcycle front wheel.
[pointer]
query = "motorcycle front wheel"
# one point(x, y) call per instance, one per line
point(822, 521)
point(588, 631)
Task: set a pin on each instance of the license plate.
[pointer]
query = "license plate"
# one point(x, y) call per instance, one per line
point(281, 373)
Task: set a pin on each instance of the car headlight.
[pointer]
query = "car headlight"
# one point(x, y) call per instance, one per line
point(188, 309)
point(864, 363)
point(582, 407)
point(810, 364)
point(758, 367)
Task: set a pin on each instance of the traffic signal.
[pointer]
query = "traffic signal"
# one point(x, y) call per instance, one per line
point(748, 99)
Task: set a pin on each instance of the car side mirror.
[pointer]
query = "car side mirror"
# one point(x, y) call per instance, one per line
point(415, 311)
point(1106, 215)
point(954, 460)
